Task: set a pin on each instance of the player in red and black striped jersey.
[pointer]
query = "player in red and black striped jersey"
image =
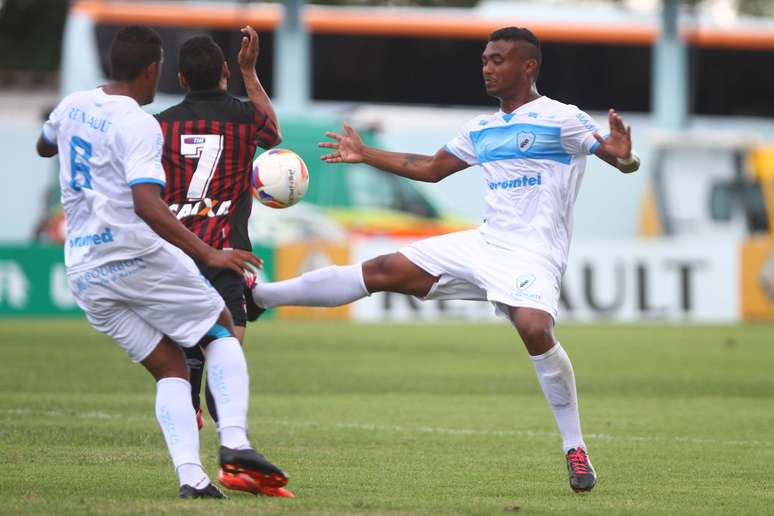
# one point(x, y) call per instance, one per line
point(209, 142)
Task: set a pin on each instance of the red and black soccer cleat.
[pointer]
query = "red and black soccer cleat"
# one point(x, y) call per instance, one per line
point(237, 466)
point(244, 482)
point(582, 475)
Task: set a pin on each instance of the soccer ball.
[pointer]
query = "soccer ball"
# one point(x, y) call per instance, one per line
point(280, 178)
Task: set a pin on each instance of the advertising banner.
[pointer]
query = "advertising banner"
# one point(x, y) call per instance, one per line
point(659, 280)
point(757, 278)
point(33, 282)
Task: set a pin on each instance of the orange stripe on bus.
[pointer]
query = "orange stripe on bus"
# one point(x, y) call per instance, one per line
point(730, 38)
point(330, 21)
point(261, 17)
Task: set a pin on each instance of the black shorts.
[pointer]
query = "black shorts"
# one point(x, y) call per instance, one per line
point(231, 287)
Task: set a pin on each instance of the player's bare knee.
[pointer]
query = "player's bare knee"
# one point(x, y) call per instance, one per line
point(538, 335)
point(166, 361)
point(379, 273)
point(226, 321)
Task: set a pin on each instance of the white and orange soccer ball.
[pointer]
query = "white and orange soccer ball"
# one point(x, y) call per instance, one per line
point(280, 178)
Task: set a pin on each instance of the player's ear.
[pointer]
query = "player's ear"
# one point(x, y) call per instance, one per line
point(152, 71)
point(531, 67)
point(182, 81)
point(225, 73)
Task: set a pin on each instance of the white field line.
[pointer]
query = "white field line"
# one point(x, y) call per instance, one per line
point(98, 415)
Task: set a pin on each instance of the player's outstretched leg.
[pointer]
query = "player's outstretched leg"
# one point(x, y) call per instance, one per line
point(228, 380)
point(177, 419)
point(330, 286)
point(557, 380)
point(342, 284)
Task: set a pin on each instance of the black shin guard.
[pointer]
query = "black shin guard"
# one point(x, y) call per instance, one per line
point(194, 358)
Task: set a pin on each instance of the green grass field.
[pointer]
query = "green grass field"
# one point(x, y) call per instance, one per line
point(428, 419)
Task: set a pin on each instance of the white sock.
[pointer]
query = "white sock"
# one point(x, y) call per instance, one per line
point(554, 372)
point(330, 286)
point(177, 419)
point(229, 383)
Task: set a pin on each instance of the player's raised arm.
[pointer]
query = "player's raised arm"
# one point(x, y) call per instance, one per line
point(248, 57)
point(349, 148)
point(616, 149)
point(151, 208)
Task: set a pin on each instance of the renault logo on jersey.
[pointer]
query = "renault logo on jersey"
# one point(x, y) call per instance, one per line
point(526, 140)
point(201, 208)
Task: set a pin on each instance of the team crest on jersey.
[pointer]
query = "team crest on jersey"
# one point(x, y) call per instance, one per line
point(525, 140)
point(525, 281)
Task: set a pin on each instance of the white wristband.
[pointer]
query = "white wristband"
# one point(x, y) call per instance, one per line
point(633, 158)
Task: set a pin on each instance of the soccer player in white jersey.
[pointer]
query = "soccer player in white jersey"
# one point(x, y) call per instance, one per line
point(532, 153)
point(127, 263)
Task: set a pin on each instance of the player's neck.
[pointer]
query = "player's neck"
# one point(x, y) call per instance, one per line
point(511, 104)
point(127, 89)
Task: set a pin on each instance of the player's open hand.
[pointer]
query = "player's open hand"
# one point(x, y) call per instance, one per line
point(619, 143)
point(248, 53)
point(347, 147)
point(235, 259)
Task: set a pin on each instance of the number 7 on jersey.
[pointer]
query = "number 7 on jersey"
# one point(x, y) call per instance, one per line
point(208, 148)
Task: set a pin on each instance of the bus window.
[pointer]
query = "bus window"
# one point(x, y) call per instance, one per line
point(442, 71)
point(749, 94)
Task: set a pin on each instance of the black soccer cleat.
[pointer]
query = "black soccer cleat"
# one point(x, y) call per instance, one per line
point(253, 311)
point(209, 491)
point(582, 475)
point(253, 464)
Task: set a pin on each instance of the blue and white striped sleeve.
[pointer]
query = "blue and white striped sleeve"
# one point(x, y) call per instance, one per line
point(461, 146)
point(578, 133)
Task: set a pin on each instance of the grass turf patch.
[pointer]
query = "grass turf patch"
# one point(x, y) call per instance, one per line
point(395, 419)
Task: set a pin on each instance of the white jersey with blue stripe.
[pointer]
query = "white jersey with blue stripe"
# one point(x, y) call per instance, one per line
point(533, 162)
point(107, 144)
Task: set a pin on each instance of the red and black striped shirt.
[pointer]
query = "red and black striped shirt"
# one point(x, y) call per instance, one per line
point(209, 142)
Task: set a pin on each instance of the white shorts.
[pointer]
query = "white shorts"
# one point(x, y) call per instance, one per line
point(139, 300)
point(468, 267)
